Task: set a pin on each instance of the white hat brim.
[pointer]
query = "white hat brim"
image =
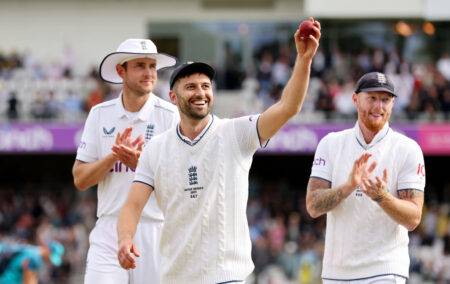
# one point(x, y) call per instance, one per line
point(108, 66)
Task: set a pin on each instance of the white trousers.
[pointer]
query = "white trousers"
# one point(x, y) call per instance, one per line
point(383, 279)
point(102, 265)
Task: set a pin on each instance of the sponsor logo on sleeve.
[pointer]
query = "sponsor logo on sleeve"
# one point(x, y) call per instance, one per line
point(319, 162)
point(421, 170)
point(82, 145)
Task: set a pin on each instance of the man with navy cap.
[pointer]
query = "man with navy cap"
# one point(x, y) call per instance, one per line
point(112, 140)
point(198, 172)
point(369, 181)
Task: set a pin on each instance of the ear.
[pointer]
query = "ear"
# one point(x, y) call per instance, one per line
point(120, 70)
point(355, 99)
point(173, 97)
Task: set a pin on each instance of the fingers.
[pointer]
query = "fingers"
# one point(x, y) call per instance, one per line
point(372, 167)
point(138, 140)
point(140, 145)
point(126, 258)
point(127, 132)
point(317, 24)
point(135, 251)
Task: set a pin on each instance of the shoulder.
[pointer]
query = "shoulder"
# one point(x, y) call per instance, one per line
point(406, 144)
point(164, 105)
point(105, 105)
point(334, 137)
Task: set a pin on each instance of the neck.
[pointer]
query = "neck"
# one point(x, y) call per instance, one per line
point(191, 128)
point(133, 102)
point(367, 133)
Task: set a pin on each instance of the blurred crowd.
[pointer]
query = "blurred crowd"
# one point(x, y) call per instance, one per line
point(423, 88)
point(36, 214)
point(30, 90)
point(287, 243)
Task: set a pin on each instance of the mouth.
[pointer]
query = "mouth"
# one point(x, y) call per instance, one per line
point(199, 103)
point(376, 115)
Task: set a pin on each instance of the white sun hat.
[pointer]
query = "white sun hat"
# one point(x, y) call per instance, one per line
point(132, 49)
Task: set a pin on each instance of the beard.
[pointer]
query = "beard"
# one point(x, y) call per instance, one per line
point(187, 109)
point(372, 125)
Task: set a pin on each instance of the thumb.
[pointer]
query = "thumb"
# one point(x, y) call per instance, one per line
point(385, 175)
point(135, 251)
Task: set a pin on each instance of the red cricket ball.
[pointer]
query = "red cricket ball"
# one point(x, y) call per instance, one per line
point(306, 28)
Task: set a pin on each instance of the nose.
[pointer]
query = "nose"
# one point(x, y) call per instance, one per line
point(378, 104)
point(150, 71)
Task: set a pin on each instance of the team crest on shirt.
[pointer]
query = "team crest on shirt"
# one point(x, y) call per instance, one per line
point(149, 132)
point(108, 132)
point(194, 190)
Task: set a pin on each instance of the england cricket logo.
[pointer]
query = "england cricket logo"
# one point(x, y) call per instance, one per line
point(194, 190)
point(381, 78)
point(144, 45)
point(192, 174)
point(149, 132)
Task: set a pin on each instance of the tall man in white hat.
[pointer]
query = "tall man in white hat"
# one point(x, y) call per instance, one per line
point(112, 140)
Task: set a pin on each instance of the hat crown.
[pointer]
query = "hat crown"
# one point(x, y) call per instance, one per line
point(137, 46)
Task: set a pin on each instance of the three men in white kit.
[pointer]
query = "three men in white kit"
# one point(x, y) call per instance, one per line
point(112, 140)
point(370, 206)
point(198, 172)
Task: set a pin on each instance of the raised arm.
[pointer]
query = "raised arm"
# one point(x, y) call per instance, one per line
point(294, 92)
point(128, 219)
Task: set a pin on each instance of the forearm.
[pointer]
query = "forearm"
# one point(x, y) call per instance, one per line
point(290, 103)
point(89, 174)
point(404, 212)
point(128, 219)
point(319, 201)
point(295, 91)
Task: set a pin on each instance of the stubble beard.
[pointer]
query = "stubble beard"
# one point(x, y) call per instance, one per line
point(374, 126)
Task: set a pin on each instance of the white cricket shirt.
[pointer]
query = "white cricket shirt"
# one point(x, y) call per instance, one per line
point(361, 239)
point(202, 188)
point(104, 121)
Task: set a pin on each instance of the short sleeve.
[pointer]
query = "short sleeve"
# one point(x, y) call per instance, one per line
point(88, 148)
point(322, 166)
point(145, 170)
point(412, 172)
point(246, 129)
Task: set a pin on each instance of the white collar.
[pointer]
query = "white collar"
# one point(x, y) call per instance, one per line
point(143, 113)
point(199, 136)
point(377, 138)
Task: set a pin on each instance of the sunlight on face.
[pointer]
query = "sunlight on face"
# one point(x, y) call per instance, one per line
point(374, 109)
point(194, 96)
point(139, 75)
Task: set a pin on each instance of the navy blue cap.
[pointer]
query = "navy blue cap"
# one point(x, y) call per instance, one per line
point(190, 68)
point(375, 82)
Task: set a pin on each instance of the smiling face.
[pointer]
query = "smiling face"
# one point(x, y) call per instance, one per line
point(139, 75)
point(193, 95)
point(374, 109)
